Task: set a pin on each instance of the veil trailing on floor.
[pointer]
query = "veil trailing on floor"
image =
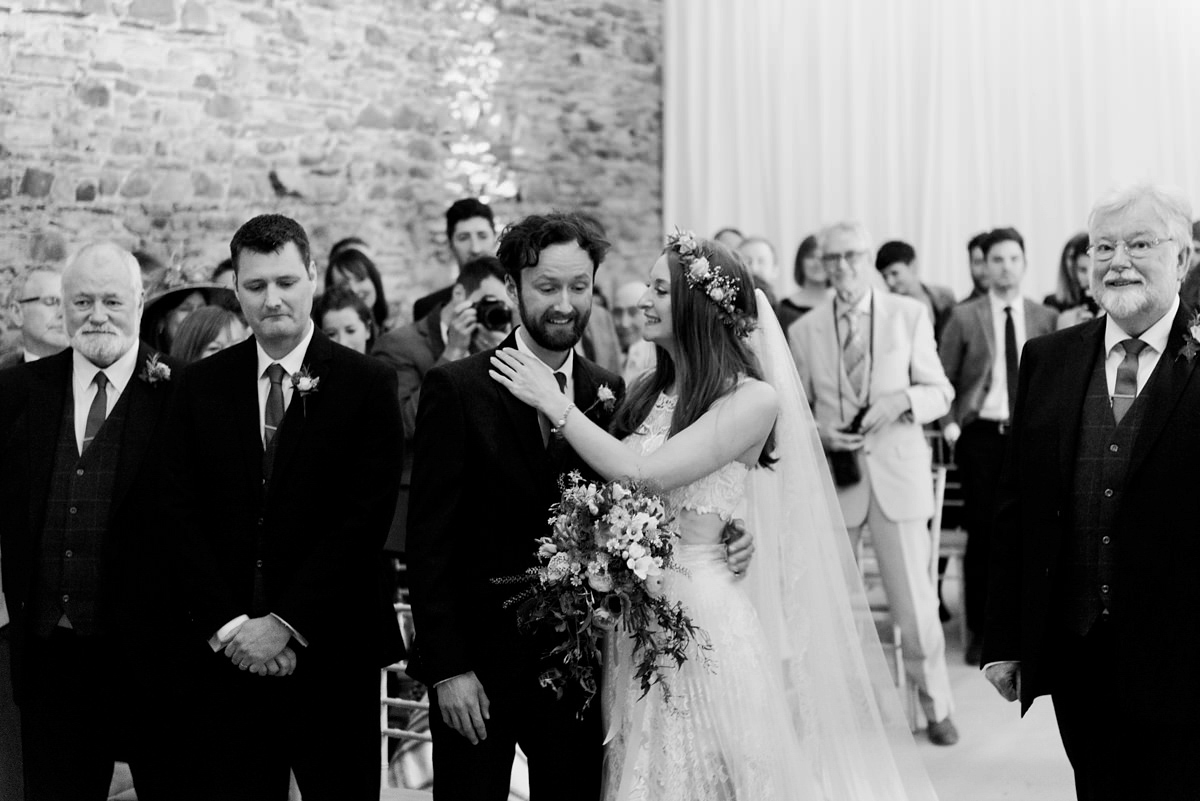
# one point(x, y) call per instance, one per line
point(808, 592)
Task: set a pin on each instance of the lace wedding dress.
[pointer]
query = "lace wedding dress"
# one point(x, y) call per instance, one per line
point(724, 733)
point(795, 699)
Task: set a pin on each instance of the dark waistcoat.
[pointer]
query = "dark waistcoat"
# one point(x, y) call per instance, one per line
point(1088, 589)
point(74, 537)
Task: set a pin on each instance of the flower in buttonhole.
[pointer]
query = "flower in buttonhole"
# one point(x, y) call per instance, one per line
point(606, 396)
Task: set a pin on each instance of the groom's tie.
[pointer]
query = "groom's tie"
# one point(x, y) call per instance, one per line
point(272, 417)
point(554, 442)
point(1125, 391)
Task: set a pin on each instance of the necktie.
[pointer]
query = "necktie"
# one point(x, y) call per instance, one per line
point(96, 411)
point(853, 352)
point(1010, 358)
point(1125, 392)
point(548, 439)
point(272, 416)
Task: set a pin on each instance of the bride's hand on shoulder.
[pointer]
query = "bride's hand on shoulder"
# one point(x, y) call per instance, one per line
point(529, 380)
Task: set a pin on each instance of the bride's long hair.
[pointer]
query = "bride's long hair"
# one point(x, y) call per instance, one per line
point(712, 357)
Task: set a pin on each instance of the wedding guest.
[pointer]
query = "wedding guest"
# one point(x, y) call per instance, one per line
point(812, 284)
point(637, 354)
point(759, 256)
point(871, 372)
point(470, 233)
point(478, 317)
point(1093, 598)
point(205, 332)
point(897, 263)
point(223, 274)
point(729, 237)
point(978, 265)
point(354, 269)
point(981, 351)
point(281, 580)
point(1084, 306)
point(78, 532)
point(1189, 291)
point(175, 296)
point(350, 243)
point(37, 311)
point(599, 342)
point(345, 319)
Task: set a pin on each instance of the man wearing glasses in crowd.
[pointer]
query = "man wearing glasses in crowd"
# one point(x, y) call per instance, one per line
point(871, 371)
point(37, 311)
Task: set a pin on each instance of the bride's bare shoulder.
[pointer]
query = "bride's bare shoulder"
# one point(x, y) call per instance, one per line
point(751, 396)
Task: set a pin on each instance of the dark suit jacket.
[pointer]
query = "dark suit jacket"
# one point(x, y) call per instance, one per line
point(13, 357)
point(967, 349)
point(412, 351)
point(1157, 596)
point(481, 494)
point(326, 514)
point(425, 304)
point(32, 398)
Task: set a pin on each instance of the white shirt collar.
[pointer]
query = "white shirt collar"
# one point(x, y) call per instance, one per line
point(1155, 336)
point(119, 373)
point(568, 367)
point(863, 306)
point(30, 357)
point(292, 362)
point(999, 304)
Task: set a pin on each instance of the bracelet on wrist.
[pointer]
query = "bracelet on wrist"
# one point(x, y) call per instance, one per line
point(562, 421)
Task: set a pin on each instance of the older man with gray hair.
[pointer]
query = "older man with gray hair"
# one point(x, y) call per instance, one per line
point(77, 480)
point(872, 374)
point(1093, 596)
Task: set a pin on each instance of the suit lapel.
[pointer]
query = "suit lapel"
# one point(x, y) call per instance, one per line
point(1075, 376)
point(302, 408)
point(1168, 381)
point(243, 396)
point(523, 419)
point(989, 333)
point(46, 399)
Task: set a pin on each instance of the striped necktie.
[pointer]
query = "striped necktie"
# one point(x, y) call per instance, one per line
point(853, 352)
point(96, 412)
point(1125, 391)
point(272, 417)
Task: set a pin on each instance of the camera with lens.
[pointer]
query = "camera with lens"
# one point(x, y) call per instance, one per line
point(844, 464)
point(493, 314)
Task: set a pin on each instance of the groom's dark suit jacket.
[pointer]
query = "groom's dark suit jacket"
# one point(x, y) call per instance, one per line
point(32, 404)
point(1156, 536)
point(482, 488)
point(321, 527)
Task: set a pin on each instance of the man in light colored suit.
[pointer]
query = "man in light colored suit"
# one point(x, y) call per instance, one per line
point(868, 357)
point(975, 351)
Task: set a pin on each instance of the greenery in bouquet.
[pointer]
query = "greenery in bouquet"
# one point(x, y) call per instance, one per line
point(601, 571)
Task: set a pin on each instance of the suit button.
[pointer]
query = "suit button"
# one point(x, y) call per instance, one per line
point(68, 554)
point(1108, 493)
point(260, 521)
point(79, 472)
point(258, 563)
point(1106, 539)
point(73, 510)
point(1114, 448)
point(66, 598)
point(1104, 589)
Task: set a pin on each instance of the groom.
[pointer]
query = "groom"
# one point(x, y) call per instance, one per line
point(485, 473)
point(1093, 597)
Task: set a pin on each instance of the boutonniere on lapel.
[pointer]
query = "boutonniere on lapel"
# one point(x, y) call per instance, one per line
point(1191, 339)
point(605, 398)
point(154, 371)
point(305, 383)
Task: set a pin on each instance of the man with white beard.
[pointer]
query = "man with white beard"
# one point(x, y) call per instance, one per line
point(77, 476)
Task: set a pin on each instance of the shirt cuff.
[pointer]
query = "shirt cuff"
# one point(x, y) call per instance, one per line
point(226, 632)
point(1016, 662)
point(295, 634)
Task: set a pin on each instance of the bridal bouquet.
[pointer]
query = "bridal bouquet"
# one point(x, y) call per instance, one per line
point(601, 571)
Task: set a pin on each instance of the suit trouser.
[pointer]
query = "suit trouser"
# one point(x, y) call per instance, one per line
point(321, 722)
point(902, 548)
point(12, 782)
point(564, 752)
point(980, 458)
point(1117, 754)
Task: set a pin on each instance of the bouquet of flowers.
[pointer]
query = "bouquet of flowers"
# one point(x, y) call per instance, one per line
point(601, 571)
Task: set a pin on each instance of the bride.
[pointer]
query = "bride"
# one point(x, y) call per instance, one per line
point(794, 700)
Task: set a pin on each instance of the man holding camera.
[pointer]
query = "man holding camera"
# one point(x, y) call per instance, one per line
point(871, 370)
point(477, 317)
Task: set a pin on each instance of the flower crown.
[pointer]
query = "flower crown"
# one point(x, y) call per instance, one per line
point(717, 286)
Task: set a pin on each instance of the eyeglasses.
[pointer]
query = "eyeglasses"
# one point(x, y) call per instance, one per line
point(850, 256)
point(1138, 249)
point(49, 301)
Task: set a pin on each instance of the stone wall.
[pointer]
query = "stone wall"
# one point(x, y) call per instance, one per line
point(164, 124)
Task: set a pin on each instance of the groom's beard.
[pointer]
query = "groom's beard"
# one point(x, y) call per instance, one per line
point(555, 337)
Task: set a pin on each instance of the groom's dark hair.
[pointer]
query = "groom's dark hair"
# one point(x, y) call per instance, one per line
point(269, 233)
point(522, 243)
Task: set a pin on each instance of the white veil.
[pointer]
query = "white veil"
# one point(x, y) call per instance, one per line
point(807, 590)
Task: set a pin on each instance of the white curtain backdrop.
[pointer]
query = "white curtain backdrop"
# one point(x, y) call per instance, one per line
point(929, 120)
